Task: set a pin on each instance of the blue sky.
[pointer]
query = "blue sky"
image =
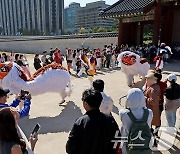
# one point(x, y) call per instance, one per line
point(83, 2)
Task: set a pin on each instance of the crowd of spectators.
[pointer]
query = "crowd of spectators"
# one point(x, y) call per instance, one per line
point(94, 132)
point(142, 114)
point(104, 58)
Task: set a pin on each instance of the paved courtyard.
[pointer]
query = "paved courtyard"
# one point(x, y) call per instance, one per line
point(56, 121)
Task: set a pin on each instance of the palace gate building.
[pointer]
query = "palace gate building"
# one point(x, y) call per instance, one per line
point(134, 15)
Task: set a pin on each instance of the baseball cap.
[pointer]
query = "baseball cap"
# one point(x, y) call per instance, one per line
point(163, 44)
point(171, 77)
point(4, 92)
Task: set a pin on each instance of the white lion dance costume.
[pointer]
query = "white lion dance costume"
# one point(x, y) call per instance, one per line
point(131, 65)
point(51, 78)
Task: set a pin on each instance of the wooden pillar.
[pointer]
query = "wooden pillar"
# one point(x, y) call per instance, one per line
point(157, 23)
point(138, 37)
point(135, 39)
point(169, 22)
point(120, 33)
point(133, 33)
point(142, 33)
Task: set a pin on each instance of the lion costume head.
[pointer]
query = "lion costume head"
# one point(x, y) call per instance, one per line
point(132, 64)
point(4, 69)
point(128, 59)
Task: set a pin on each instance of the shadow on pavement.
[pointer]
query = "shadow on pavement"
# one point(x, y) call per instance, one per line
point(174, 149)
point(173, 66)
point(60, 123)
point(167, 73)
point(109, 70)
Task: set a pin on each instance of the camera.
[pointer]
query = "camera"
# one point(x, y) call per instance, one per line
point(23, 94)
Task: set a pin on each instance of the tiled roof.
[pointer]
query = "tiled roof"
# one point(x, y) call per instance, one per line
point(127, 7)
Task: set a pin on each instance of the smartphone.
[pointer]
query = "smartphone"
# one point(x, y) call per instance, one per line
point(23, 93)
point(36, 129)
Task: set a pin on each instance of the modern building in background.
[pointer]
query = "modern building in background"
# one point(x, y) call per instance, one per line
point(87, 17)
point(69, 17)
point(46, 16)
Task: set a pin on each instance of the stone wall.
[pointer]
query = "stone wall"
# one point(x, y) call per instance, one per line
point(37, 46)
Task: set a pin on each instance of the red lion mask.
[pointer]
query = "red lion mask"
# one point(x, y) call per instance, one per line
point(4, 69)
point(128, 59)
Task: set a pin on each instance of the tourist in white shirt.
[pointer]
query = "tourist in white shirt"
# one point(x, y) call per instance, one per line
point(107, 103)
point(43, 58)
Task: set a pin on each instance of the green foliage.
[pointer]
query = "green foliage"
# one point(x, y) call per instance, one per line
point(101, 29)
point(112, 29)
point(82, 30)
point(90, 30)
point(1, 30)
point(31, 32)
point(66, 33)
point(26, 32)
point(36, 32)
point(148, 34)
point(47, 32)
point(94, 30)
point(20, 30)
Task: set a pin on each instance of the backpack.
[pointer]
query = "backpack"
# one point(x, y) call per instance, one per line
point(139, 135)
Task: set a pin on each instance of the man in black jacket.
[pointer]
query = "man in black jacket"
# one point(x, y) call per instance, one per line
point(94, 131)
point(37, 62)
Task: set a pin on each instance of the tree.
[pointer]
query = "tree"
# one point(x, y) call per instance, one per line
point(95, 30)
point(82, 30)
point(90, 30)
point(148, 34)
point(1, 30)
point(36, 32)
point(112, 29)
point(47, 31)
point(26, 32)
point(20, 31)
point(101, 29)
